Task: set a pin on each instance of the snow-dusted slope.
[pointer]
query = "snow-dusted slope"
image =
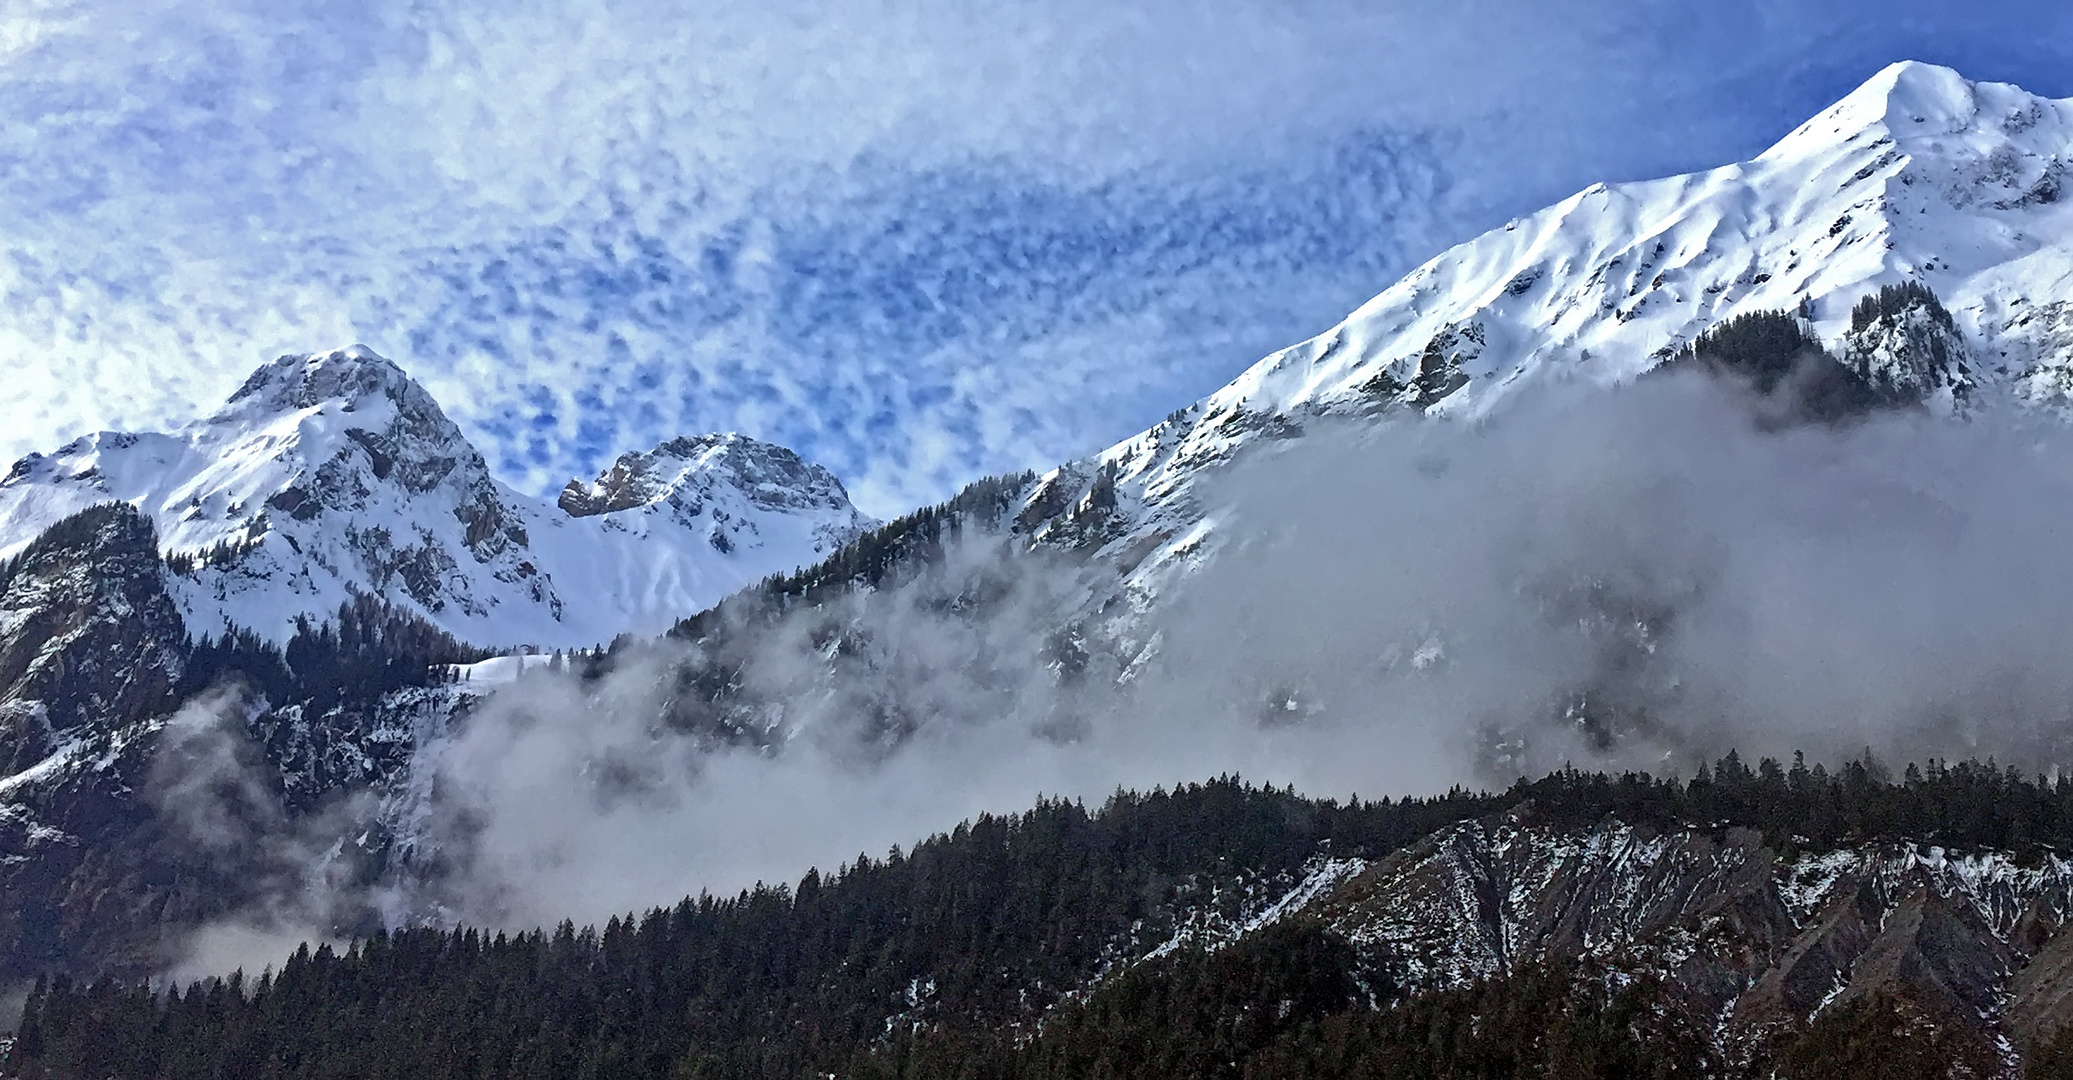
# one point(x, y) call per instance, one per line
point(333, 473)
point(1918, 175)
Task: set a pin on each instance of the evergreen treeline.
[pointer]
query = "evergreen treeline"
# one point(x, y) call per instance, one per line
point(1967, 805)
point(1775, 354)
point(974, 929)
point(868, 559)
point(966, 958)
point(366, 650)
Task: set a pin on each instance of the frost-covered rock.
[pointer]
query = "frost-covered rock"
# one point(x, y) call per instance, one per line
point(334, 473)
point(726, 487)
point(1758, 937)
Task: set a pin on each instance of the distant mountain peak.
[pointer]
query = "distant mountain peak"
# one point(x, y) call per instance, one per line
point(769, 476)
point(1917, 230)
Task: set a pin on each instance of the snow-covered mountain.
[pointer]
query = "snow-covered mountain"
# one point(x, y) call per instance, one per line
point(1918, 176)
point(1914, 232)
point(335, 473)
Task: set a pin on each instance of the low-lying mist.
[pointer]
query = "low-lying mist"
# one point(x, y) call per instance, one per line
point(1636, 578)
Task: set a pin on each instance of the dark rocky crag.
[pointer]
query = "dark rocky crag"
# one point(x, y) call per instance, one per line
point(156, 782)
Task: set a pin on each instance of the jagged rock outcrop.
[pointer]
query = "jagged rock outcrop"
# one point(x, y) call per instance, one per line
point(727, 488)
point(88, 633)
point(1763, 939)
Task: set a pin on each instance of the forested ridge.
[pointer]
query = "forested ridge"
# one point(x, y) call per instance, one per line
point(974, 954)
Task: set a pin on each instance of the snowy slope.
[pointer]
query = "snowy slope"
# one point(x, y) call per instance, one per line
point(333, 473)
point(1918, 175)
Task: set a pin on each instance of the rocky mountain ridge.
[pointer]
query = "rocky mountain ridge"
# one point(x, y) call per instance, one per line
point(1911, 239)
point(1919, 178)
point(334, 474)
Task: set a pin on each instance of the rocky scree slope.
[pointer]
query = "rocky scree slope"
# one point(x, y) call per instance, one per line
point(1761, 938)
point(1749, 929)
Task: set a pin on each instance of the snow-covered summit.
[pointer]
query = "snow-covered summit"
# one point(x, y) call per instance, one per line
point(333, 473)
point(350, 376)
point(684, 474)
point(1909, 102)
point(1918, 176)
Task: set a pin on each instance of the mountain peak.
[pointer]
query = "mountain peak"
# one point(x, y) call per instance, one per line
point(334, 474)
point(350, 376)
point(1920, 178)
point(1913, 93)
point(768, 476)
point(1909, 103)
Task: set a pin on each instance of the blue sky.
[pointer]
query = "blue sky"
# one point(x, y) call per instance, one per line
point(917, 240)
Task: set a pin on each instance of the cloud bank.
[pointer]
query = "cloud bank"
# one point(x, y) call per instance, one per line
point(1641, 579)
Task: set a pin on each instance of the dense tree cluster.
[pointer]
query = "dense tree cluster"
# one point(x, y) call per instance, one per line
point(1291, 1004)
point(1886, 1036)
point(972, 930)
point(364, 651)
point(1779, 358)
point(1894, 301)
point(1967, 805)
point(967, 957)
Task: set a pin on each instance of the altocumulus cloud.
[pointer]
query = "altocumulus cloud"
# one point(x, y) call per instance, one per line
point(916, 240)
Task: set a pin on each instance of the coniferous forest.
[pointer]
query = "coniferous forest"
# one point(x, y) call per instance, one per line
point(1026, 947)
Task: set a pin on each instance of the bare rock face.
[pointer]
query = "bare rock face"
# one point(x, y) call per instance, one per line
point(730, 491)
point(1763, 940)
point(690, 469)
point(87, 632)
point(1816, 964)
point(1937, 951)
point(90, 652)
point(2041, 993)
